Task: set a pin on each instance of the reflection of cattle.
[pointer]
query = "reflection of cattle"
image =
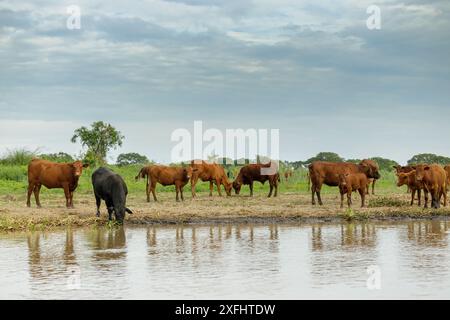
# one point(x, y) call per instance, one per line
point(111, 188)
point(166, 176)
point(409, 179)
point(211, 172)
point(252, 172)
point(352, 182)
point(53, 175)
point(434, 179)
point(322, 172)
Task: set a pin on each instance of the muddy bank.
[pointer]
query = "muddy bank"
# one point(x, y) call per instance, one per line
point(286, 208)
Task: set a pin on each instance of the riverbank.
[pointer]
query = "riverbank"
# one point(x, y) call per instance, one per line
point(288, 207)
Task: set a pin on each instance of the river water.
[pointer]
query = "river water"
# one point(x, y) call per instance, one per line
point(376, 260)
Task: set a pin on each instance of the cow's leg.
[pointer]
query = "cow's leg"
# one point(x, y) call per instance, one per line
point(218, 187)
point(349, 198)
point(98, 201)
point(37, 190)
point(193, 183)
point(71, 199)
point(271, 189)
point(30, 191)
point(436, 199)
point(177, 191)
point(147, 191)
point(426, 198)
point(276, 188)
point(413, 195)
point(251, 188)
point(342, 199)
point(313, 192)
point(319, 198)
point(153, 189)
point(367, 188)
point(362, 193)
point(373, 187)
point(67, 194)
point(418, 195)
point(181, 192)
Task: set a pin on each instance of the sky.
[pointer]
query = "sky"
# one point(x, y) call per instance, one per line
point(312, 69)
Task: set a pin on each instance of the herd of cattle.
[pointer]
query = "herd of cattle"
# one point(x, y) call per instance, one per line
point(348, 177)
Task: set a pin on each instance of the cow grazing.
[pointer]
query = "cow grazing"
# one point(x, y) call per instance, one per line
point(211, 172)
point(166, 176)
point(409, 179)
point(352, 182)
point(111, 188)
point(252, 172)
point(53, 175)
point(434, 179)
point(322, 172)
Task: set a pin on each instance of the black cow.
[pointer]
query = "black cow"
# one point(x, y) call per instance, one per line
point(110, 187)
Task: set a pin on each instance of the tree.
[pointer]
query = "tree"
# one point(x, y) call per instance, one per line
point(325, 156)
point(125, 159)
point(101, 138)
point(385, 164)
point(429, 158)
point(57, 157)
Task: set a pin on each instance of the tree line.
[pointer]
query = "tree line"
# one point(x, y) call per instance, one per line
point(100, 138)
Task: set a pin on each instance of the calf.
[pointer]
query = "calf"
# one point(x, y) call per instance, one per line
point(53, 175)
point(165, 176)
point(409, 179)
point(351, 182)
point(111, 188)
point(211, 172)
point(252, 172)
point(434, 179)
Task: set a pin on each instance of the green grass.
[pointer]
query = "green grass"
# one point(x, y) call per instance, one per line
point(13, 181)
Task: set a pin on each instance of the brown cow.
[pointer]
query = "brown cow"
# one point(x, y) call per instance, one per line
point(53, 175)
point(211, 172)
point(434, 179)
point(167, 176)
point(404, 169)
point(352, 182)
point(409, 179)
point(447, 170)
point(252, 172)
point(322, 172)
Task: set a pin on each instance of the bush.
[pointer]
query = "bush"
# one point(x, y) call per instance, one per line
point(133, 158)
point(13, 173)
point(57, 157)
point(18, 157)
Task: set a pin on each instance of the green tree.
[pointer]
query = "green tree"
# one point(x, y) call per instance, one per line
point(125, 159)
point(385, 164)
point(101, 138)
point(325, 156)
point(428, 158)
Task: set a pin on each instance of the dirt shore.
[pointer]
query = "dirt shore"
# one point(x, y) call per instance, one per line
point(14, 215)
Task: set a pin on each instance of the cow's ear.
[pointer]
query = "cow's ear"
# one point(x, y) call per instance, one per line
point(85, 165)
point(129, 211)
point(426, 168)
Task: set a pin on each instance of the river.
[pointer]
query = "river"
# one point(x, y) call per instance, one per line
point(373, 260)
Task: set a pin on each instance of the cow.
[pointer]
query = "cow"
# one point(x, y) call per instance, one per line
point(167, 176)
point(352, 182)
point(409, 179)
point(323, 172)
point(211, 172)
point(403, 169)
point(53, 175)
point(110, 187)
point(447, 170)
point(253, 172)
point(434, 179)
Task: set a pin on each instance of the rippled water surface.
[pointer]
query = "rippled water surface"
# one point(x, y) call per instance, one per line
point(298, 261)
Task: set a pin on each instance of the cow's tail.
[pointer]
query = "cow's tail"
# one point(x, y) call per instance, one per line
point(308, 176)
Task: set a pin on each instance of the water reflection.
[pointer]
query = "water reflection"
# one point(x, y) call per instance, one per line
point(229, 261)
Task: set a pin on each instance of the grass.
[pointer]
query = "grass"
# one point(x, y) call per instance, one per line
point(293, 203)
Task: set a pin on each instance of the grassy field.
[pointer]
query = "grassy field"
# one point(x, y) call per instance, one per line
point(293, 203)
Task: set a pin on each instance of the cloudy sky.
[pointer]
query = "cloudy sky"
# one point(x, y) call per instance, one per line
point(310, 68)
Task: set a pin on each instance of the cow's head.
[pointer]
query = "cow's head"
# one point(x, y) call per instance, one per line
point(402, 178)
point(191, 171)
point(370, 168)
point(228, 187)
point(237, 186)
point(119, 213)
point(420, 171)
point(77, 168)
